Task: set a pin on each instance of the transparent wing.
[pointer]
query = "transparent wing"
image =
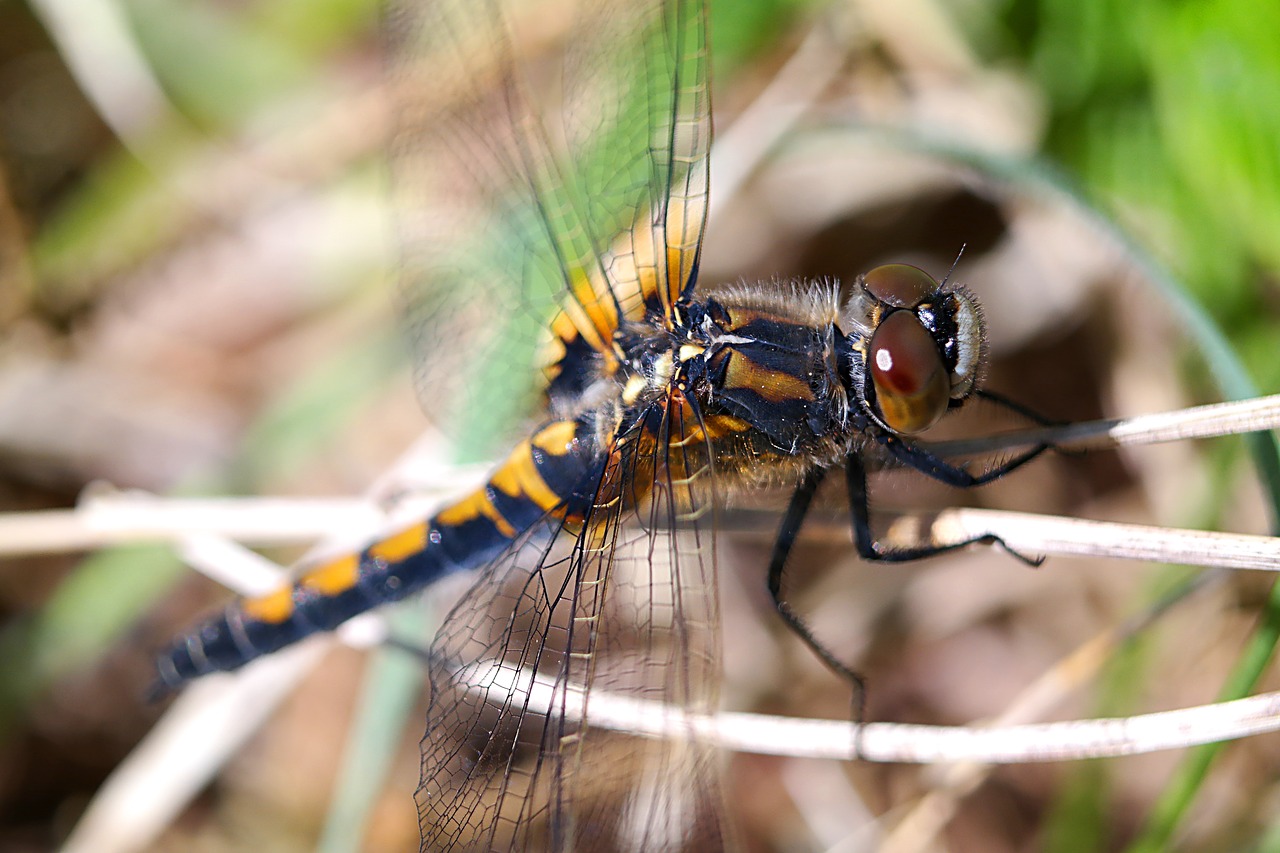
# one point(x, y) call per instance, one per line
point(660, 113)
point(550, 157)
point(618, 611)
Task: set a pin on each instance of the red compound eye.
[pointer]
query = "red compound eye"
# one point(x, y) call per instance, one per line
point(911, 382)
point(900, 285)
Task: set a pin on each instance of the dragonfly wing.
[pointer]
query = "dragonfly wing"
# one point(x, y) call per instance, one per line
point(617, 618)
point(655, 116)
point(541, 171)
point(661, 642)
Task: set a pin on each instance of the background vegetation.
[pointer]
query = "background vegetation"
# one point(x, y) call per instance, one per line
point(195, 300)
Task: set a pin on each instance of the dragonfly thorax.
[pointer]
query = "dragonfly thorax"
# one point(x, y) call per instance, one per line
point(769, 357)
point(811, 375)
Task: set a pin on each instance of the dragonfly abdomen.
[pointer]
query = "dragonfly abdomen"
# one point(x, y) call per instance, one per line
point(542, 475)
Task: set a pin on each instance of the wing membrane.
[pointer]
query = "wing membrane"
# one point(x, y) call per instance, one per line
point(550, 157)
point(622, 606)
point(658, 111)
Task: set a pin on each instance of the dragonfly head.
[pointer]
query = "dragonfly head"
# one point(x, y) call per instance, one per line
point(924, 349)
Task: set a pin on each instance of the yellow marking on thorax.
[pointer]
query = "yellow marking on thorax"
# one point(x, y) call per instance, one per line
point(688, 351)
point(774, 386)
point(402, 545)
point(717, 427)
point(740, 316)
point(633, 389)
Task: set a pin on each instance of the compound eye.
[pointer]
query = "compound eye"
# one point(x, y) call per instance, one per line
point(900, 285)
point(911, 382)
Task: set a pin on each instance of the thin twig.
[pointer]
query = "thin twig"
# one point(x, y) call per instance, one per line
point(1258, 414)
point(895, 742)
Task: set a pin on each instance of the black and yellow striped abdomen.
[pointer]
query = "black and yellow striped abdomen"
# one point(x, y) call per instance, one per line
point(553, 472)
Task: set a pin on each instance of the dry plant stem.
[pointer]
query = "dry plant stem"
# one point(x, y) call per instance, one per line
point(107, 520)
point(1258, 414)
point(1101, 738)
point(834, 739)
point(1047, 535)
point(97, 44)
point(103, 521)
point(262, 521)
point(175, 761)
point(919, 828)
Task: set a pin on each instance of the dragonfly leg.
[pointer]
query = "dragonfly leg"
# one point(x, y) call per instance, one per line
point(1017, 408)
point(869, 548)
point(1026, 413)
point(791, 524)
point(932, 465)
point(867, 545)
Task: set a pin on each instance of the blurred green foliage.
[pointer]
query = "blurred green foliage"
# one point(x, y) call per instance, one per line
point(1169, 115)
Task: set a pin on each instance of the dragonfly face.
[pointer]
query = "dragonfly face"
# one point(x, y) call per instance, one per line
point(926, 348)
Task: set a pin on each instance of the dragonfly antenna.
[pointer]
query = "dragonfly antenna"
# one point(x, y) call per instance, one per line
point(955, 263)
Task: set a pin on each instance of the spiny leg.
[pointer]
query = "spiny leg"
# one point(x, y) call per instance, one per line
point(792, 521)
point(866, 544)
point(932, 465)
point(927, 463)
point(1017, 408)
point(1029, 414)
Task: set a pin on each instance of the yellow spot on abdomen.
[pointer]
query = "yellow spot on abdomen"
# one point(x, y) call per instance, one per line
point(329, 579)
point(473, 506)
point(274, 608)
point(556, 438)
point(519, 477)
point(333, 578)
point(402, 545)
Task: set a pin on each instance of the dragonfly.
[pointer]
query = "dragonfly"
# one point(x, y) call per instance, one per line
point(591, 546)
